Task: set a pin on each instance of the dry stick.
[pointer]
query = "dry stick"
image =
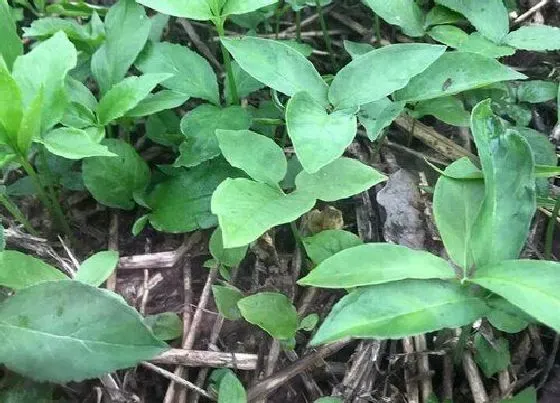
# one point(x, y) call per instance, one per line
point(308, 381)
point(448, 375)
point(530, 12)
point(473, 376)
point(113, 244)
point(424, 368)
point(550, 362)
point(177, 379)
point(504, 382)
point(269, 385)
point(410, 370)
point(208, 359)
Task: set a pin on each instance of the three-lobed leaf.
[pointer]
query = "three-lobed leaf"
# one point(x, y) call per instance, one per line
point(97, 268)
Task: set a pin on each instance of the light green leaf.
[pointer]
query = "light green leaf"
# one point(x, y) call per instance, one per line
point(408, 308)
point(319, 138)
point(79, 93)
point(231, 390)
point(45, 69)
point(490, 17)
point(165, 326)
point(244, 6)
point(506, 317)
point(442, 15)
point(501, 228)
point(329, 400)
point(80, 35)
point(181, 203)
point(11, 107)
point(325, 244)
point(279, 66)
point(528, 395)
point(194, 9)
point(257, 155)
point(491, 358)
point(404, 13)
point(244, 82)
point(271, 311)
point(126, 95)
point(74, 144)
point(340, 179)
point(18, 270)
point(447, 109)
point(113, 180)
point(309, 323)
point(159, 23)
point(11, 45)
point(376, 116)
point(127, 29)
point(228, 257)
point(357, 49)
point(160, 101)
point(97, 268)
point(531, 285)
point(30, 128)
point(192, 74)
point(298, 5)
point(376, 263)
point(226, 299)
point(367, 78)
point(535, 37)
point(475, 42)
point(78, 321)
point(247, 209)
point(455, 72)
point(164, 128)
point(536, 91)
point(200, 125)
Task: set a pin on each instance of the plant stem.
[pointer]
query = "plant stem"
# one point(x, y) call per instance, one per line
point(298, 25)
point(550, 230)
point(326, 35)
point(377, 30)
point(16, 212)
point(227, 63)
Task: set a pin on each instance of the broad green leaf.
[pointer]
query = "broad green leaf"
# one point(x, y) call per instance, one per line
point(442, 15)
point(194, 9)
point(164, 128)
point(319, 138)
point(536, 91)
point(226, 299)
point(247, 209)
point(376, 263)
point(340, 179)
point(357, 49)
point(200, 125)
point(78, 116)
point(79, 93)
point(11, 106)
point(404, 13)
point(80, 35)
point(528, 395)
point(325, 244)
point(244, 82)
point(231, 390)
point(376, 116)
point(531, 285)
point(506, 317)
point(52, 323)
point(160, 101)
point(456, 206)
point(74, 144)
point(447, 109)
point(126, 95)
point(501, 228)
point(97, 268)
point(30, 128)
point(165, 326)
point(367, 78)
point(535, 37)
point(279, 66)
point(127, 29)
point(11, 45)
point(18, 270)
point(260, 157)
point(271, 311)
point(192, 74)
point(491, 358)
point(113, 180)
point(159, 23)
point(405, 308)
point(244, 6)
point(45, 69)
point(181, 203)
point(489, 17)
point(456, 72)
point(475, 42)
point(228, 257)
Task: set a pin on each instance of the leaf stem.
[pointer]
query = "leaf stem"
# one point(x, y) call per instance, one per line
point(550, 230)
point(377, 29)
point(326, 35)
point(227, 63)
point(14, 210)
point(298, 25)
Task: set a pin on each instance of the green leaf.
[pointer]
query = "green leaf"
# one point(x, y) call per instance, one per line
point(357, 49)
point(160, 101)
point(226, 299)
point(192, 74)
point(340, 179)
point(325, 244)
point(200, 125)
point(194, 9)
point(164, 128)
point(491, 358)
point(257, 155)
point(247, 209)
point(113, 180)
point(531, 285)
point(376, 116)
point(18, 270)
point(17, 389)
point(528, 395)
point(78, 321)
point(456, 206)
point(11, 107)
point(30, 128)
point(319, 138)
point(244, 6)
point(329, 400)
point(97, 268)
point(404, 13)
point(507, 317)
point(455, 72)
point(11, 45)
point(279, 66)
point(126, 95)
point(45, 69)
point(447, 109)
point(231, 390)
point(442, 15)
point(244, 82)
point(376, 263)
point(536, 91)
point(501, 228)
point(271, 311)
point(490, 17)
point(228, 257)
point(535, 37)
point(367, 78)
point(181, 203)
point(127, 29)
point(165, 326)
point(309, 322)
point(475, 42)
point(74, 144)
point(409, 307)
